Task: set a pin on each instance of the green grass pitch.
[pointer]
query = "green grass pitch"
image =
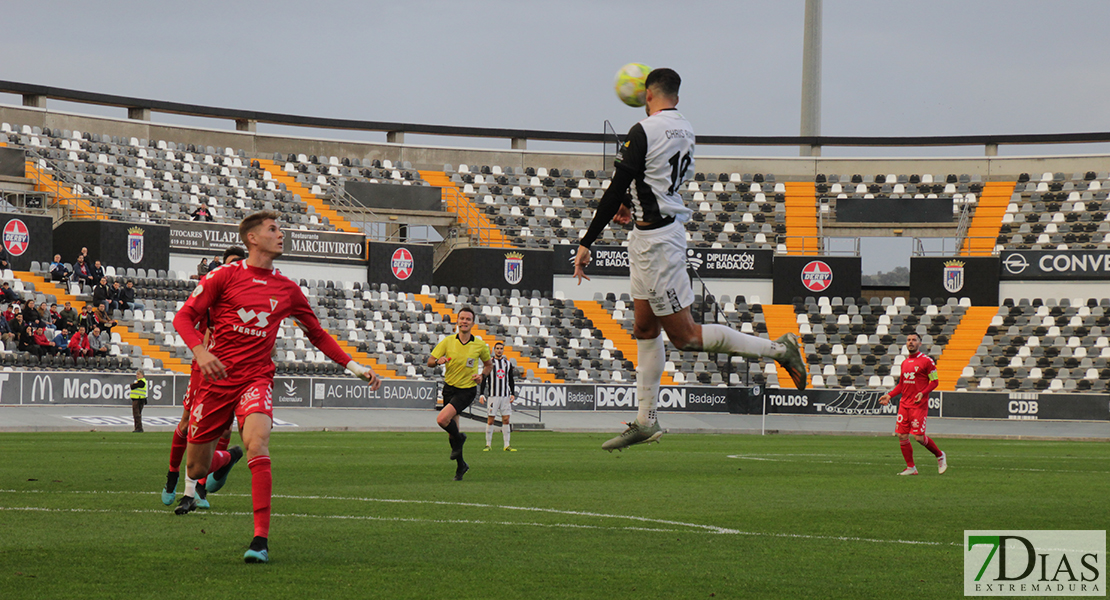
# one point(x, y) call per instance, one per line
point(376, 515)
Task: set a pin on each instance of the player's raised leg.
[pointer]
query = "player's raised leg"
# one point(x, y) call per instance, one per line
point(931, 446)
point(256, 438)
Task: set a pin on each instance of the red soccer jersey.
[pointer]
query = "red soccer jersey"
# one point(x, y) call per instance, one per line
point(919, 375)
point(247, 305)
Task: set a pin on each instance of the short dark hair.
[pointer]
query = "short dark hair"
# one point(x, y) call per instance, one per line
point(254, 220)
point(466, 309)
point(237, 251)
point(496, 344)
point(665, 81)
point(914, 333)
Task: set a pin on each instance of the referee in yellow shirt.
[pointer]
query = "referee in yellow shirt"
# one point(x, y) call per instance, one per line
point(462, 353)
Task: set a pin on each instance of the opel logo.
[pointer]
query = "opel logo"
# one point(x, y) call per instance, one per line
point(1015, 263)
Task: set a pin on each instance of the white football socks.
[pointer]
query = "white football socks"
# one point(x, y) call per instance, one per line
point(190, 486)
point(505, 429)
point(489, 434)
point(651, 358)
point(726, 340)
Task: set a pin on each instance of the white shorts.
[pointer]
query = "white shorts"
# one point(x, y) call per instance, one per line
point(498, 406)
point(657, 265)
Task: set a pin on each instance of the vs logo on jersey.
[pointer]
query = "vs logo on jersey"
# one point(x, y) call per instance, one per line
point(249, 315)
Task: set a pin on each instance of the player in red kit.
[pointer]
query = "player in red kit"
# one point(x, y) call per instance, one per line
point(919, 378)
point(180, 433)
point(247, 302)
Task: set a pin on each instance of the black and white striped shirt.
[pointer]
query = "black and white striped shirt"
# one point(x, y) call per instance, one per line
point(499, 383)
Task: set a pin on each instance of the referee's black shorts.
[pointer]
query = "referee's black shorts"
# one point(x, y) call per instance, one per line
point(460, 398)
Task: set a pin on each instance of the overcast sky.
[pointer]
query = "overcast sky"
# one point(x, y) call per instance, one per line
point(890, 68)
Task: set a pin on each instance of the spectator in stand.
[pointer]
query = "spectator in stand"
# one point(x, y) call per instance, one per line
point(80, 346)
point(5, 259)
point(10, 310)
point(31, 314)
point(127, 297)
point(84, 254)
point(6, 333)
point(61, 342)
point(26, 337)
point(10, 295)
point(55, 315)
point(115, 297)
point(88, 318)
point(103, 319)
point(43, 345)
point(99, 342)
point(17, 324)
point(81, 270)
point(100, 293)
point(202, 268)
point(202, 214)
point(68, 317)
point(59, 271)
point(96, 273)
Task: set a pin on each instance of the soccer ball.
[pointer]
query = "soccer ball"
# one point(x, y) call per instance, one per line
point(629, 84)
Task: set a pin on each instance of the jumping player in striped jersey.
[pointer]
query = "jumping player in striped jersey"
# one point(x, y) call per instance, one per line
point(180, 433)
point(655, 160)
point(248, 302)
point(919, 378)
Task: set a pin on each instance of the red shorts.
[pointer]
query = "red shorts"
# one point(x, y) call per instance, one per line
point(911, 419)
point(214, 407)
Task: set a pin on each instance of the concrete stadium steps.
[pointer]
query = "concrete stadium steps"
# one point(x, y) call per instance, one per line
point(148, 348)
point(963, 344)
point(379, 369)
point(321, 207)
point(614, 332)
point(982, 233)
point(780, 319)
point(801, 218)
point(468, 214)
point(79, 208)
point(523, 362)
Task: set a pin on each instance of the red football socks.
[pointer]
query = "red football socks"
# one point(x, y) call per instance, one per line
point(262, 483)
point(931, 446)
point(222, 444)
point(219, 459)
point(177, 450)
point(907, 452)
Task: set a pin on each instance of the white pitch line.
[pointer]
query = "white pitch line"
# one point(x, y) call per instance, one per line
point(775, 458)
point(693, 527)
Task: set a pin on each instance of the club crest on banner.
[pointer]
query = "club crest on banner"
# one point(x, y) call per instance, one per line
point(16, 237)
point(953, 276)
point(135, 245)
point(514, 267)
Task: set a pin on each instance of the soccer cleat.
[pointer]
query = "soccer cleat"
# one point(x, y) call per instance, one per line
point(258, 551)
point(486, 449)
point(169, 493)
point(187, 505)
point(202, 497)
point(219, 478)
point(510, 449)
point(635, 434)
point(459, 472)
point(942, 463)
point(909, 471)
point(456, 451)
point(792, 360)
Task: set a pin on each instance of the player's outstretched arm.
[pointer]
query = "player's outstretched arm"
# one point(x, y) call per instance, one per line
point(365, 374)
